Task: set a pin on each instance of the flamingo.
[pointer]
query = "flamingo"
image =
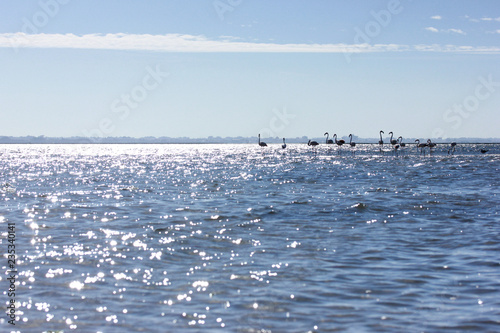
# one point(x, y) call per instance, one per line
point(451, 150)
point(396, 147)
point(328, 141)
point(338, 142)
point(401, 143)
point(393, 142)
point(284, 144)
point(421, 146)
point(381, 142)
point(312, 143)
point(431, 145)
point(262, 144)
point(352, 144)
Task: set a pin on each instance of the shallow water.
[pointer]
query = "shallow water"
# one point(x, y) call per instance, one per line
point(164, 238)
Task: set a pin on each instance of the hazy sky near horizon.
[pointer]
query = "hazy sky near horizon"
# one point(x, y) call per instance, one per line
point(283, 68)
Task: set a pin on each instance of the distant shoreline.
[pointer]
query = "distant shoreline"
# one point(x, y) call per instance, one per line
point(220, 140)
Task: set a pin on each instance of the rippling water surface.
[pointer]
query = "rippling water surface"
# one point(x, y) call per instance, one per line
point(170, 238)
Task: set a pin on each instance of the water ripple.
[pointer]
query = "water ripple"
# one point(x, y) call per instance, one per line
point(182, 237)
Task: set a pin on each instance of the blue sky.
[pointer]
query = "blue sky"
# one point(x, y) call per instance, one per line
point(239, 67)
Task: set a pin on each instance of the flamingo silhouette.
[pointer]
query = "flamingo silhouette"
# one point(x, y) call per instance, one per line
point(352, 144)
point(421, 146)
point(262, 144)
point(401, 143)
point(312, 143)
point(431, 145)
point(451, 150)
point(328, 141)
point(393, 142)
point(381, 142)
point(338, 142)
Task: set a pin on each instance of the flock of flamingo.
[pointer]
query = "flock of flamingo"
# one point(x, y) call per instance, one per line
point(395, 143)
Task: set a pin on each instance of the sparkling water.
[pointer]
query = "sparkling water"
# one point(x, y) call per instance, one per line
point(241, 238)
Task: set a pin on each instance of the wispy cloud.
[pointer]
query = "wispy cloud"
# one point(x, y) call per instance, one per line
point(190, 43)
point(454, 31)
point(483, 19)
point(171, 43)
point(436, 17)
point(489, 19)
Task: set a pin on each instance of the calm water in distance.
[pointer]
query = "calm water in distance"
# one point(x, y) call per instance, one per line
point(236, 238)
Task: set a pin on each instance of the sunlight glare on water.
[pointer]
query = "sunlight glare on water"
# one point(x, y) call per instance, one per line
point(235, 237)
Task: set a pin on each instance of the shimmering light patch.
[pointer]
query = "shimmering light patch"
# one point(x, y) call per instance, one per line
point(200, 285)
point(89, 234)
point(120, 276)
point(76, 285)
point(58, 271)
point(155, 255)
point(139, 243)
point(109, 232)
point(42, 306)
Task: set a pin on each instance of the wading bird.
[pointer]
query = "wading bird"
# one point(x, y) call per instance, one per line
point(262, 144)
point(381, 142)
point(338, 142)
point(312, 143)
point(431, 145)
point(421, 146)
point(451, 150)
point(401, 143)
point(392, 141)
point(328, 141)
point(352, 144)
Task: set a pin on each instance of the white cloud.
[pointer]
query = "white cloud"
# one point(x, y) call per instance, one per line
point(489, 19)
point(170, 43)
point(432, 29)
point(436, 17)
point(190, 43)
point(484, 19)
point(456, 31)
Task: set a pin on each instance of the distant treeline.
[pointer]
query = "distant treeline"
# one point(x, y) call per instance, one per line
point(210, 139)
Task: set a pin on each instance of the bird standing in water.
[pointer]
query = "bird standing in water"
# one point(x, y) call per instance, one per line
point(262, 144)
